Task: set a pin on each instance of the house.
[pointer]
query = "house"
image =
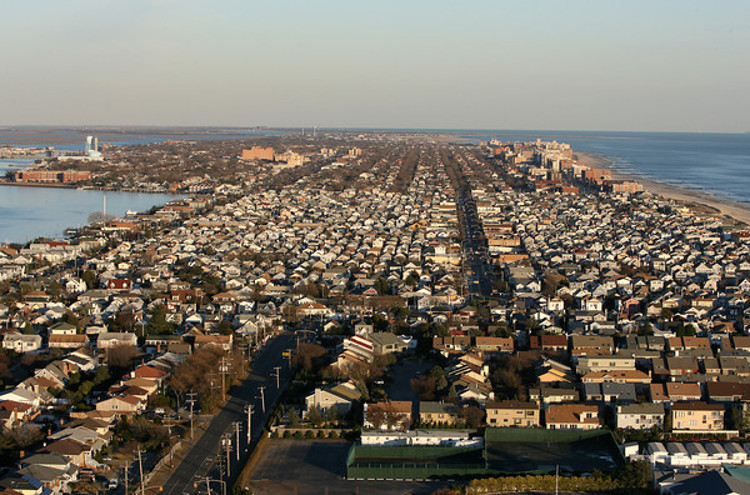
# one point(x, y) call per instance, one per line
point(13, 413)
point(340, 396)
point(438, 413)
point(56, 341)
point(728, 391)
point(21, 484)
point(550, 395)
point(712, 482)
point(591, 345)
point(388, 415)
point(608, 392)
point(313, 309)
point(620, 376)
point(734, 366)
point(121, 405)
point(75, 452)
point(681, 366)
point(610, 363)
point(697, 416)
point(640, 416)
point(147, 372)
point(512, 413)
point(62, 328)
point(22, 343)
point(386, 343)
point(551, 371)
point(119, 285)
point(53, 470)
point(493, 344)
point(223, 341)
point(108, 340)
point(451, 344)
point(549, 343)
point(572, 417)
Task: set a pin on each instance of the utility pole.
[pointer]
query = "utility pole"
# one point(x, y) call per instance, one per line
point(127, 468)
point(249, 410)
point(237, 426)
point(262, 399)
point(222, 371)
point(227, 439)
point(278, 373)
point(191, 400)
point(140, 469)
point(289, 358)
point(208, 486)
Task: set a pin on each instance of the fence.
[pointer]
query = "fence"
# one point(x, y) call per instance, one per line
point(537, 435)
point(412, 471)
point(412, 462)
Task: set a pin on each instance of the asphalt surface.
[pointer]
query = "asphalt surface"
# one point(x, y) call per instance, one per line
point(475, 247)
point(134, 477)
point(400, 386)
point(204, 459)
point(315, 467)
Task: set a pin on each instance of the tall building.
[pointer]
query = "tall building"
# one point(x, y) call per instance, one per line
point(91, 147)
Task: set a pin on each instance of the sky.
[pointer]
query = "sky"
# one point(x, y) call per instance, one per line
point(552, 65)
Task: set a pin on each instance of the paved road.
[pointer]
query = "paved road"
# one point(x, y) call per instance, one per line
point(401, 374)
point(203, 458)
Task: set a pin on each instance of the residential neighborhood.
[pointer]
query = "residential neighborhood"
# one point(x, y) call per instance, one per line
point(527, 289)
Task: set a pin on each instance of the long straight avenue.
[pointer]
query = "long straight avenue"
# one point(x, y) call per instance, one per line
point(203, 458)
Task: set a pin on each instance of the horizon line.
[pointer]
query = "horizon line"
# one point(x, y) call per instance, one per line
point(452, 130)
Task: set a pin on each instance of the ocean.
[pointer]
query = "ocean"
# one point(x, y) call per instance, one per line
point(718, 164)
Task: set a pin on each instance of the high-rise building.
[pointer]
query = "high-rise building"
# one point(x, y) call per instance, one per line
point(91, 148)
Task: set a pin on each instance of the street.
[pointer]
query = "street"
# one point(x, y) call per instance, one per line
point(207, 453)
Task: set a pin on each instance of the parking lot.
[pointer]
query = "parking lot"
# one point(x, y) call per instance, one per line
point(317, 467)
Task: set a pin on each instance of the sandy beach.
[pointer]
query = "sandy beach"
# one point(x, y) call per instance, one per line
point(734, 209)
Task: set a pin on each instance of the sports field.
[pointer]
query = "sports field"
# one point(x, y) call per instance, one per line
point(584, 455)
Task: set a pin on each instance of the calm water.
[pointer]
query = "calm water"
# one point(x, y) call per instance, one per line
point(30, 212)
point(714, 163)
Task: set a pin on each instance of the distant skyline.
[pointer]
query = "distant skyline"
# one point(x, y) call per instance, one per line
point(574, 65)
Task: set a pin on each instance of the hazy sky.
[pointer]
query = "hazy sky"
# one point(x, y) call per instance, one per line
point(586, 65)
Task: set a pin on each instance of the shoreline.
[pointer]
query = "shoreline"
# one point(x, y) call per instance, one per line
point(55, 185)
point(736, 210)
